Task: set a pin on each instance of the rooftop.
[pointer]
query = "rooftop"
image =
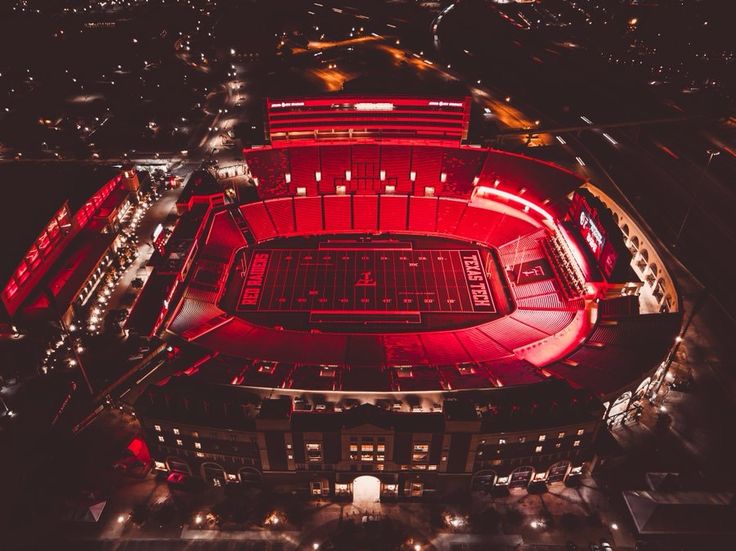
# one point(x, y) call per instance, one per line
point(38, 191)
point(684, 513)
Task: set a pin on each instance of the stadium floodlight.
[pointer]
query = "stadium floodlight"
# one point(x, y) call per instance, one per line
point(485, 190)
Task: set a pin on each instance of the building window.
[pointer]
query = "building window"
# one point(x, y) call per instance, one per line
point(538, 449)
point(157, 428)
point(200, 454)
point(380, 457)
point(314, 451)
point(576, 444)
point(366, 447)
point(179, 442)
point(328, 371)
point(581, 432)
point(420, 453)
point(366, 457)
point(176, 431)
point(561, 435)
point(353, 447)
point(160, 438)
point(413, 489)
point(542, 437)
point(466, 369)
point(195, 434)
point(404, 372)
point(319, 488)
point(501, 441)
point(198, 445)
point(381, 448)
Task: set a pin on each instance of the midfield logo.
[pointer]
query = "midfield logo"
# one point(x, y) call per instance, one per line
point(366, 280)
point(535, 271)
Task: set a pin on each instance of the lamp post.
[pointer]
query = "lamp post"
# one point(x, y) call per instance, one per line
point(711, 153)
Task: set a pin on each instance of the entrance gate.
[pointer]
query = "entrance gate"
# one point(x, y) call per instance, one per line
point(366, 489)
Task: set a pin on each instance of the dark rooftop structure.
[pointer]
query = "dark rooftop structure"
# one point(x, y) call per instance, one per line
point(46, 188)
point(200, 183)
point(682, 513)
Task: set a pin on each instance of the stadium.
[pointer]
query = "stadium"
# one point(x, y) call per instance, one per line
point(378, 310)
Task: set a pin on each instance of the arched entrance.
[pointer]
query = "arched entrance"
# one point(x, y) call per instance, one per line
point(213, 474)
point(619, 407)
point(521, 477)
point(177, 465)
point(483, 480)
point(366, 489)
point(558, 471)
point(250, 475)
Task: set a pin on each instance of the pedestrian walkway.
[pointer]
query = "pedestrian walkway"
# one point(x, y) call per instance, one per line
point(471, 542)
point(289, 539)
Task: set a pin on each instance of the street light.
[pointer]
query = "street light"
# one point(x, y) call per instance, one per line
point(711, 153)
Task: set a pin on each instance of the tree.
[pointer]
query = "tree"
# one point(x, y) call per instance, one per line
point(514, 517)
point(486, 521)
point(570, 522)
point(140, 513)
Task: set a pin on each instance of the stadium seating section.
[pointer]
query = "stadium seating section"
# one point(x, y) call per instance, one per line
point(409, 169)
point(385, 213)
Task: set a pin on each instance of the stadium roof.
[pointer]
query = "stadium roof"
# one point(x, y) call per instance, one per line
point(31, 196)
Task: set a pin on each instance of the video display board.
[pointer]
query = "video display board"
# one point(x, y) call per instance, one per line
point(589, 215)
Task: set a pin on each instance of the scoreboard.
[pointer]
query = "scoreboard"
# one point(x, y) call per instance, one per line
point(600, 232)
